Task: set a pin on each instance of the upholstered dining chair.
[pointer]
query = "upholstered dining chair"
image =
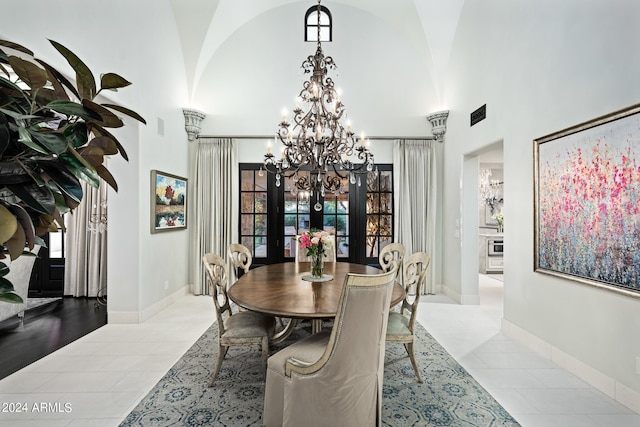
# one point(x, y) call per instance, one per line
point(240, 258)
point(400, 327)
point(334, 378)
point(330, 251)
point(241, 328)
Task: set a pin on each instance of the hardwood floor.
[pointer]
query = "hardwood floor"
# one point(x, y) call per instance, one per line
point(46, 329)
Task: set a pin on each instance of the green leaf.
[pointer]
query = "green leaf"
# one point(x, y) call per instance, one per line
point(107, 177)
point(5, 135)
point(64, 179)
point(113, 81)
point(8, 224)
point(27, 224)
point(45, 96)
point(15, 46)
point(58, 81)
point(99, 130)
point(54, 142)
point(85, 80)
point(10, 297)
point(6, 285)
point(15, 245)
point(71, 108)
point(83, 171)
point(3, 269)
point(38, 241)
point(107, 118)
point(108, 145)
point(30, 73)
point(12, 173)
point(25, 138)
point(11, 85)
point(76, 134)
point(34, 175)
point(37, 198)
point(18, 116)
point(126, 111)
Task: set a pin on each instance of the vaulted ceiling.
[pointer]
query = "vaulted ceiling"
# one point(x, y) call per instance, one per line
point(204, 25)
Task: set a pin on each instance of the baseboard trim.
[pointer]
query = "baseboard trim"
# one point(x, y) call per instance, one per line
point(132, 317)
point(609, 386)
point(457, 297)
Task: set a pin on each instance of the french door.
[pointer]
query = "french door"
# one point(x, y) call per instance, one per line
point(360, 217)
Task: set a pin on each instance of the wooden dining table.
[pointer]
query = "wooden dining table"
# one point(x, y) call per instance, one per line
point(280, 290)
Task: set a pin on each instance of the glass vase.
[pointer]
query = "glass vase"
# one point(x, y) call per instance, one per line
point(317, 265)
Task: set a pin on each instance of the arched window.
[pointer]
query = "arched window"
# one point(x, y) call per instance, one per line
point(311, 25)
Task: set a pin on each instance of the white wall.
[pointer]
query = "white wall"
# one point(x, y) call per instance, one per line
point(143, 269)
point(541, 67)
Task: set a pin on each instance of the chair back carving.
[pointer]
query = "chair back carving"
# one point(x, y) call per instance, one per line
point(216, 268)
point(240, 257)
point(388, 254)
point(415, 273)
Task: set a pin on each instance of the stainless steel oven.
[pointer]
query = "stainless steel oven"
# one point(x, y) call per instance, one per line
point(495, 247)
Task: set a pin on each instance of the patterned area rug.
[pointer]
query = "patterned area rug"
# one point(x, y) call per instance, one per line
point(448, 397)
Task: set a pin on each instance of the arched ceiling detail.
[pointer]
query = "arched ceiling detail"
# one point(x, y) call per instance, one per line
point(428, 25)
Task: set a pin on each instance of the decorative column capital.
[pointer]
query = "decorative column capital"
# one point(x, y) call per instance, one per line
point(192, 120)
point(438, 122)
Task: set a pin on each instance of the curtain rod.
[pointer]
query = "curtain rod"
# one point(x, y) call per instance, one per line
point(430, 137)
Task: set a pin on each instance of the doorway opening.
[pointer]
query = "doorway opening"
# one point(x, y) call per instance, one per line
point(478, 221)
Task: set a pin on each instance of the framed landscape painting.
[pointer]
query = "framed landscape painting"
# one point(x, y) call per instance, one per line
point(168, 202)
point(587, 202)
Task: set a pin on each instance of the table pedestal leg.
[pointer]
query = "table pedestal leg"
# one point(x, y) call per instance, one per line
point(316, 325)
point(283, 334)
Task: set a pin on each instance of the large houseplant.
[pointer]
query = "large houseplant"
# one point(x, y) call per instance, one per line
point(53, 134)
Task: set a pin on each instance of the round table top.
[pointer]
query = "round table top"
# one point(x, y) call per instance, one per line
point(279, 290)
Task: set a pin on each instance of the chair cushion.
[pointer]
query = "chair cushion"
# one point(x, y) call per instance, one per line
point(248, 324)
point(398, 324)
point(309, 349)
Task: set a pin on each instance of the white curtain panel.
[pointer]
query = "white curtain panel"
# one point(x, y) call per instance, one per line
point(85, 273)
point(214, 203)
point(415, 180)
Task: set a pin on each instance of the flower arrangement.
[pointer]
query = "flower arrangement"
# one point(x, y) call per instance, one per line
point(315, 242)
point(499, 217)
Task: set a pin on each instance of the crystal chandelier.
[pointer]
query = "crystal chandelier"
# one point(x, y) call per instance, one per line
point(98, 219)
point(490, 189)
point(316, 140)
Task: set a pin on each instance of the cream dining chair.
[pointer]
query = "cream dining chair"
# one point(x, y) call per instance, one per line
point(241, 328)
point(334, 378)
point(400, 328)
point(240, 258)
point(393, 252)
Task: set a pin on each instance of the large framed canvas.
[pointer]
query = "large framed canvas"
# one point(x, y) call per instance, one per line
point(168, 202)
point(587, 202)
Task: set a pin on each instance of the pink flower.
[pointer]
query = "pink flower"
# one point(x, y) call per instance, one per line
point(305, 241)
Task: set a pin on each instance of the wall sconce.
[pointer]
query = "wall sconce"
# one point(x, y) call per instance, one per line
point(438, 122)
point(192, 120)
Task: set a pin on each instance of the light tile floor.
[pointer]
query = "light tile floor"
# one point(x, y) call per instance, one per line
point(100, 378)
point(536, 391)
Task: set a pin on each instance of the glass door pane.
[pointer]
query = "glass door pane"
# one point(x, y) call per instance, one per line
point(336, 217)
point(297, 215)
point(253, 212)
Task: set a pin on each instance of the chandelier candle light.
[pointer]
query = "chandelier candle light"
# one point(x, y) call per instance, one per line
point(319, 138)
